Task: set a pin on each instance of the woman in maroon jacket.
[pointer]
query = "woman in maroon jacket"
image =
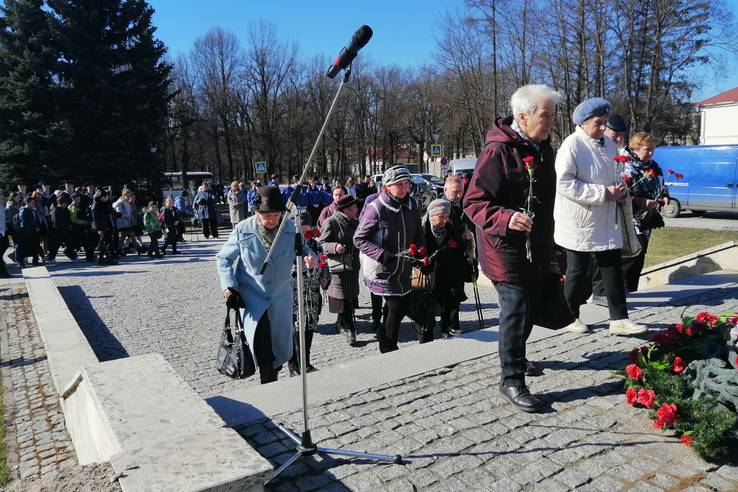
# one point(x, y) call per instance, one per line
point(496, 201)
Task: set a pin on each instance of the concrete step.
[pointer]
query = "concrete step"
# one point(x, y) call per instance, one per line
point(243, 406)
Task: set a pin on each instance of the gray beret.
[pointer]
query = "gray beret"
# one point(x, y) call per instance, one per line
point(589, 108)
point(395, 174)
point(439, 206)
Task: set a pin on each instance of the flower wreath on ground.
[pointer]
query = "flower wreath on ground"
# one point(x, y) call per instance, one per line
point(688, 378)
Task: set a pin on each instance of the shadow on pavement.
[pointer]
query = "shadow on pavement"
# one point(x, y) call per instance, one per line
point(102, 341)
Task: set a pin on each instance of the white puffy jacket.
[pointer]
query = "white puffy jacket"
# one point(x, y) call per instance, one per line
point(585, 220)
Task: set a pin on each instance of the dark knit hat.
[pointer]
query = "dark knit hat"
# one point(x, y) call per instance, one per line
point(269, 199)
point(306, 219)
point(395, 174)
point(589, 108)
point(616, 123)
point(345, 202)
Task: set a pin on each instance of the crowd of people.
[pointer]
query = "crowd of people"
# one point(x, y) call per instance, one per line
point(89, 223)
point(582, 214)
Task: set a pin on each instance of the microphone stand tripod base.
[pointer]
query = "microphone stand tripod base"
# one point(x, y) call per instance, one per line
point(305, 447)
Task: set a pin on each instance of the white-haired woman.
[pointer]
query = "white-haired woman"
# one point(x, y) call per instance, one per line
point(589, 220)
point(497, 193)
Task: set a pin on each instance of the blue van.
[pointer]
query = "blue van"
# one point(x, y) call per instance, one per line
point(709, 182)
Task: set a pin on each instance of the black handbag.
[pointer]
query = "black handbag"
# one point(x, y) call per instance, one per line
point(234, 358)
point(548, 306)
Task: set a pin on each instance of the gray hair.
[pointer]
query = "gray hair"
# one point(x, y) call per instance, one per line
point(528, 97)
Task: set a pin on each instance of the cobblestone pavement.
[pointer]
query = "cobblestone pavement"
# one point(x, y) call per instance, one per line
point(37, 440)
point(174, 306)
point(457, 433)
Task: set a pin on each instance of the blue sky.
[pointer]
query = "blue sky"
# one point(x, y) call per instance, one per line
point(403, 29)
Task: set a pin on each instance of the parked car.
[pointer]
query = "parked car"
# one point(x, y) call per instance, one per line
point(420, 189)
point(436, 182)
point(709, 183)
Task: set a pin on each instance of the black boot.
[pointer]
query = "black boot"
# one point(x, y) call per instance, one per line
point(267, 375)
point(308, 343)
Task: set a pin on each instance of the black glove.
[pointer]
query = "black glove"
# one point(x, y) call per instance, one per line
point(235, 301)
point(387, 259)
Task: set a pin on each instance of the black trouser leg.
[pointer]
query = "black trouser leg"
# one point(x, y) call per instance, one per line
point(376, 308)
point(347, 316)
point(54, 244)
point(4, 244)
point(515, 326)
point(598, 284)
point(206, 228)
point(578, 284)
point(390, 330)
point(450, 318)
point(214, 225)
point(632, 267)
point(263, 350)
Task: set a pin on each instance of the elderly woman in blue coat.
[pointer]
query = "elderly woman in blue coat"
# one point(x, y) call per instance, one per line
point(266, 320)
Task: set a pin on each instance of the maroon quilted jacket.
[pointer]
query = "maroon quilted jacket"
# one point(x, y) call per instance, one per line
point(498, 189)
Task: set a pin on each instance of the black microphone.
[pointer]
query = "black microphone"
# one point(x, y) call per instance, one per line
point(347, 55)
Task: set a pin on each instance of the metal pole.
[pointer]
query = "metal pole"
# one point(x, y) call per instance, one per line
point(301, 327)
point(290, 204)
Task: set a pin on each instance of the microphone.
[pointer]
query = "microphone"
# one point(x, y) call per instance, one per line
point(347, 54)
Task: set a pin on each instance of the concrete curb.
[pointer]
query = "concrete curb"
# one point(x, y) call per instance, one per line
point(721, 257)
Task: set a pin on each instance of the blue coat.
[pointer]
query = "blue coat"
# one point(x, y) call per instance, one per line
point(239, 262)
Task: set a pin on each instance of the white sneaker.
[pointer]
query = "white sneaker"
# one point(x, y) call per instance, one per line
point(577, 327)
point(626, 327)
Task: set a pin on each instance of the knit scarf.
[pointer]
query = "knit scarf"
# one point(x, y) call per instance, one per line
point(266, 236)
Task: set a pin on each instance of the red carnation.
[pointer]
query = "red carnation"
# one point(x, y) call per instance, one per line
point(733, 320)
point(621, 158)
point(321, 264)
point(631, 396)
point(422, 251)
point(646, 397)
point(665, 416)
point(649, 172)
point(689, 331)
point(679, 176)
point(426, 261)
point(452, 243)
point(634, 372)
point(678, 365)
point(707, 318)
point(323, 257)
point(529, 159)
point(670, 171)
point(412, 250)
point(686, 439)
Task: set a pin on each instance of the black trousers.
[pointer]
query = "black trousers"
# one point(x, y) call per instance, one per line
point(4, 245)
point(345, 319)
point(632, 267)
point(56, 241)
point(210, 226)
point(106, 246)
point(376, 308)
point(263, 350)
point(515, 325)
point(389, 332)
point(170, 239)
point(26, 245)
point(578, 285)
point(450, 317)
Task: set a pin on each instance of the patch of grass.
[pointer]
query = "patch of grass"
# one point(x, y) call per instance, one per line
point(668, 243)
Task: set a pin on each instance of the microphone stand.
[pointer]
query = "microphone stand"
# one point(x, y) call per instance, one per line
point(304, 444)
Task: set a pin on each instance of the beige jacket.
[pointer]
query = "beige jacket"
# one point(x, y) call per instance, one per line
point(585, 220)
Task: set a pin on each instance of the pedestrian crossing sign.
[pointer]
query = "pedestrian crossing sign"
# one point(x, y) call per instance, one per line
point(261, 167)
point(436, 150)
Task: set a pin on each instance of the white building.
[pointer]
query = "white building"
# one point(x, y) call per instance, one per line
point(719, 119)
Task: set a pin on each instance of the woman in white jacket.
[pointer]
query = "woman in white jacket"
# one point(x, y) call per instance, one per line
point(587, 221)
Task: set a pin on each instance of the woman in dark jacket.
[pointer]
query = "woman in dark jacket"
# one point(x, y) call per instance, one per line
point(337, 240)
point(495, 201)
point(170, 217)
point(102, 224)
point(445, 246)
point(388, 226)
point(60, 230)
point(646, 185)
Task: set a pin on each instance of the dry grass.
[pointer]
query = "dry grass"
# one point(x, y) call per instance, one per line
point(672, 242)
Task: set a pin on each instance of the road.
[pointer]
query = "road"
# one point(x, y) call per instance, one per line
point(717, 221)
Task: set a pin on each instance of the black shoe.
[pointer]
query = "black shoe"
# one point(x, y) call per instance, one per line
point(294, 369)
point(531, 369)
point(521, 397)
point(455, 331)
point(310, 367)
